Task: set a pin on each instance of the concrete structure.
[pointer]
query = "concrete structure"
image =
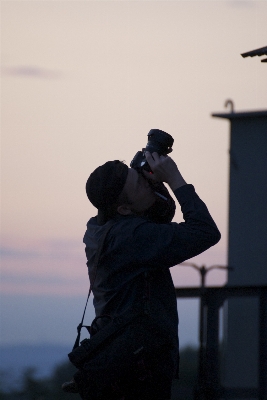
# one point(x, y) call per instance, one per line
point(247, 243)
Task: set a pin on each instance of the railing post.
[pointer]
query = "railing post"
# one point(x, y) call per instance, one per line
point(199, 392)
point(263, 345)
point(212, 370)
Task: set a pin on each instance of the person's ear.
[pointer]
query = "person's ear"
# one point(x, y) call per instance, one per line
point(124, 209)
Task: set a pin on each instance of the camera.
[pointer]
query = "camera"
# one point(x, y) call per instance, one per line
point(158, 141)
point(163, 210)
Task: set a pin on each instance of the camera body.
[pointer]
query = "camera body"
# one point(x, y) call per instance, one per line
point(158, 141)
point(163, 210)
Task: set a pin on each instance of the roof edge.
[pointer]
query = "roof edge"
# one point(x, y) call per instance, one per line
point(242, 114)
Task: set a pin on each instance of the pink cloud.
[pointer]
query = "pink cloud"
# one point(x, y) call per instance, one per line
point(29, 71)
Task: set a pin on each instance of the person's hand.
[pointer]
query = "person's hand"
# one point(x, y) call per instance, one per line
point(164, 170)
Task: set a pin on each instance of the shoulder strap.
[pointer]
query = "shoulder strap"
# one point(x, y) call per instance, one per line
point(97, 256)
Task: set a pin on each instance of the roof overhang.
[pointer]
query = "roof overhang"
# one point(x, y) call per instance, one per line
point(258, 52)
point(239, 115)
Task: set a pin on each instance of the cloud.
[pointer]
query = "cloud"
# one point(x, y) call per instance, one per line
point(7, 252)
point(29, 71)
point(50, 249)
point(47, 266)
point(33, 278)
point(37, 277)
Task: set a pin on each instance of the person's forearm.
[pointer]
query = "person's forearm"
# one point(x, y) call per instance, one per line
point(196, 214)
point(176, 182)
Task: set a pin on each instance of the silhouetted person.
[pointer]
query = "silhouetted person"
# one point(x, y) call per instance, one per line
point(134, 273)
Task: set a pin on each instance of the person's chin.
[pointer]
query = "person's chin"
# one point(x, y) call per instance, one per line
point(140, 213)
point(145, 208)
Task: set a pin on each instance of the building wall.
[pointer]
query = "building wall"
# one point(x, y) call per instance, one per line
point(247, 246)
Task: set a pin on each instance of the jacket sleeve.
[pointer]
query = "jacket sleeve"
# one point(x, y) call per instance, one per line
point(165, 245)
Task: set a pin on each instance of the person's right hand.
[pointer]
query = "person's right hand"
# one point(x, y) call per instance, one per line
point(164, 170)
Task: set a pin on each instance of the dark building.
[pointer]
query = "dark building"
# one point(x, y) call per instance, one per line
point(247, 243)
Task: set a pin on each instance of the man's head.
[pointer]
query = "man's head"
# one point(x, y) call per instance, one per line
point(113, 187)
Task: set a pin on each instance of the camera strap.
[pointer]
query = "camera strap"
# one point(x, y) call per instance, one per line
point(96, 261)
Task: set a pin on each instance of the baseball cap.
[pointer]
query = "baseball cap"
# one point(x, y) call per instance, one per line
point(106, 183)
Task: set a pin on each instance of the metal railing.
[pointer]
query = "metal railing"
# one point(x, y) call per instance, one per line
point(211, 300)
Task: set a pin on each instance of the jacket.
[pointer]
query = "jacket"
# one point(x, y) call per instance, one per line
point(136, 247)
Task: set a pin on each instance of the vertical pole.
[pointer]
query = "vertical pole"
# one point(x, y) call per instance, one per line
point(212, 346)
point(200, 392)
point(201, 380)
point(263, 346)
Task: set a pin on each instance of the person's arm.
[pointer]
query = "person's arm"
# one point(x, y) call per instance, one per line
point(171, 244)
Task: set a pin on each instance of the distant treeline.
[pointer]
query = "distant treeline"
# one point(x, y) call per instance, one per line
point(33, 388)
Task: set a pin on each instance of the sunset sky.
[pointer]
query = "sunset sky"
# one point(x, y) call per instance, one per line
point(82, 82)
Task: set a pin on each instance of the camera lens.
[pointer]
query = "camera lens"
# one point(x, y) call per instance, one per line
point(158, 141)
